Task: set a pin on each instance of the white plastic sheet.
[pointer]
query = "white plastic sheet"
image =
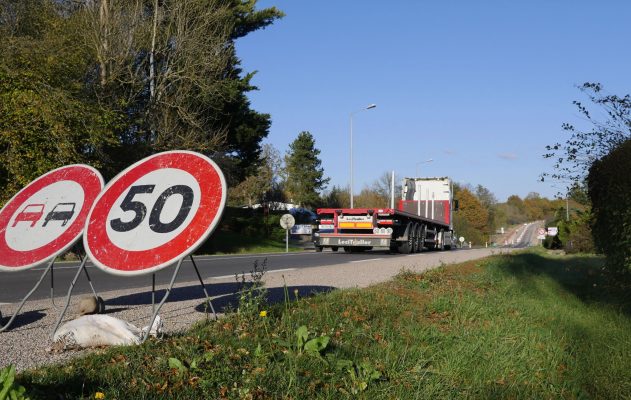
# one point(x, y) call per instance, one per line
point(100, 330)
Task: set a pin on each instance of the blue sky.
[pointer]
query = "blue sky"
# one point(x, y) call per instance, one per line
point(481, 87)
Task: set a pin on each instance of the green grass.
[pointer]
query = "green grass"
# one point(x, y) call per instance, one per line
point(524, 326)
point(225, 242)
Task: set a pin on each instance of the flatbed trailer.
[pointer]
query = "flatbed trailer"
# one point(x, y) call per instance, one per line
point(421, 221)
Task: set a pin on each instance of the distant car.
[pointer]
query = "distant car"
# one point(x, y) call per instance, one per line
point(31, 213)
point(61, 212)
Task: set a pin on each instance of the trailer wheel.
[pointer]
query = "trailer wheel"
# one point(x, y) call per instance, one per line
point(407, 246)
point(348, 249)
point(416, 238)
point(423, 236)
point(334, 248)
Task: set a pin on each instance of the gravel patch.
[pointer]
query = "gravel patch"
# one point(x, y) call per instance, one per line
point(25, 344)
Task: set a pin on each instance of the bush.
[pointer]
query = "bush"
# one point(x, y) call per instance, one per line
point(609, 188)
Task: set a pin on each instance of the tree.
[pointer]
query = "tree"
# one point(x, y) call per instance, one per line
point(171, 68)
point(471, 220)
point(337, 197)
point(609, 188)
point(46, 120)
point(304, 175)
point(107, 82)
point(371, 198)
point(264, 184)
point(489, 202)
point(583, 147)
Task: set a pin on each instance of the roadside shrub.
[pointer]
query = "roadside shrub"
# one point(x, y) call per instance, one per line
point(609, 188)
point(9, 389)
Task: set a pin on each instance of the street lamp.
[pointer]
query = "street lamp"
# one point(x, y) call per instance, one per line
point(369, 107)
point(422, 162)
point(567, 202)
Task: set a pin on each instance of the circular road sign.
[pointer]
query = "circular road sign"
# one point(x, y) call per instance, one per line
point(461, 239)
point(287, 221)
point(155, 212)
point(47, 217)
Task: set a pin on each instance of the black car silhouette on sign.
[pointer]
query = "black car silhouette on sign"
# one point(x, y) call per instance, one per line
point(31, 213)
point(61, 212)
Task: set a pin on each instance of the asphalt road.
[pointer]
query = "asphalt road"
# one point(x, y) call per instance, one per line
point(15, 285)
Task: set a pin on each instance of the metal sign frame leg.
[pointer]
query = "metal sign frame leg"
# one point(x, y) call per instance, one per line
point(164, 299)
point(201, 281)
point(69, 295)
point(39, 282)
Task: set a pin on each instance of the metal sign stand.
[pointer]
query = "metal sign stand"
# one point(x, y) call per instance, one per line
point(70, 289)
point(156, 311)
point(52, 294)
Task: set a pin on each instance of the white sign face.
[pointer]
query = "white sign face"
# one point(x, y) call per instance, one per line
point(461, 239)
point(287, 221)
point(541, 231)
point(553, 231)
point(155, 212)
point(145, 236)
point(45, 218)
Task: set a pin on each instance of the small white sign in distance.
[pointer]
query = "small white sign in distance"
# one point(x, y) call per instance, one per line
point(155, 212)
point(47, 217)
point(287, 221)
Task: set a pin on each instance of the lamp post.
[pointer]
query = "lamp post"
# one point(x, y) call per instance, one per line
point(369, 107)
point(422, 162)
point(567, 202)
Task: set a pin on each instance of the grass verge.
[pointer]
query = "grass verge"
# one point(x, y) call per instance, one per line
point(522, 326)
point(234, 243)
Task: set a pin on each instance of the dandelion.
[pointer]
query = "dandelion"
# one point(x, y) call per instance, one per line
point(263, 314)
point(99, 395)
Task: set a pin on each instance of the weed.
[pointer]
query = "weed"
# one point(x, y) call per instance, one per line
point(8, 388)
point(252, 292)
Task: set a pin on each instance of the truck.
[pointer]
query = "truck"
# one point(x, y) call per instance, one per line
point(422, 220)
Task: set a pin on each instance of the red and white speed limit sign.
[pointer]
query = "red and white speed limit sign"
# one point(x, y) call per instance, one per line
point(155, 212)
point(46, 217)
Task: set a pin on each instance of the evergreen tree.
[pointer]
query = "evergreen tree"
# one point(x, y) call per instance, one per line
point(304, 175)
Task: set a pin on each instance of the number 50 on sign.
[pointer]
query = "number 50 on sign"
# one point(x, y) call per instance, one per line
point(155, 212)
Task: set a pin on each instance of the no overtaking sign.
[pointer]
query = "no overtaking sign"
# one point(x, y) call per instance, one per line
point(47, 217)
point(155, 212)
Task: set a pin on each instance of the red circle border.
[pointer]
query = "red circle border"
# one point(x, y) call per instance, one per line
point(91, 183)
point(115, 260)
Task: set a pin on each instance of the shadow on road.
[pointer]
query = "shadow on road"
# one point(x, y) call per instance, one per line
point(225, 295)
point(274, 295)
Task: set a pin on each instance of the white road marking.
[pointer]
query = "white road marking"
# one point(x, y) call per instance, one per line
point(370, 259)
point(245, 256)
point(268, 272)
point(5, 304)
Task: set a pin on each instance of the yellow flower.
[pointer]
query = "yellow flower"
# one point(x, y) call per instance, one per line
point(263, 313)
point(99, 395)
